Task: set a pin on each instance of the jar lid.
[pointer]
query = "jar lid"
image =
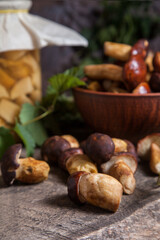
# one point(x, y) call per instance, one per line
point(21, 30)
point(15, 4)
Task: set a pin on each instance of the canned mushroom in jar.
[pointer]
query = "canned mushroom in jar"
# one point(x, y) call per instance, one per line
point(20, 82)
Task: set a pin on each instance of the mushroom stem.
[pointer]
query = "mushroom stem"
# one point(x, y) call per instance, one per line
point(118, 51)
point(104, 71)
point(155, 158)
point(101, 190)
point(32, 170)
point(80, 162)
point(124, 175)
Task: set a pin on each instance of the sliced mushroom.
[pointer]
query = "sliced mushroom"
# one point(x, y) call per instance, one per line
point(22, 87)
point(9, 111)
point(6, 80)
point(3, 92)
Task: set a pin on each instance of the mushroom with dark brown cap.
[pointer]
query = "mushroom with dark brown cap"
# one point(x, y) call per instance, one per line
point(120, 145)
point(134, 72)
point(80, 162)
point(95, 188)
point(53, 147)
point(155, 82)
point(131, 149)
point(156, 62)
point(140, 48)
point(26, 170)
point(65, 155)
point(122, 166)
point(72, 140)
point(99, 147)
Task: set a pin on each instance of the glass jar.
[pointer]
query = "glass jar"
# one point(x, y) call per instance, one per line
point(20, 82)
point(22, 35)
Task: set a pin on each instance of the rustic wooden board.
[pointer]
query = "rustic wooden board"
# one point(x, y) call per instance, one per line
point(44, 211)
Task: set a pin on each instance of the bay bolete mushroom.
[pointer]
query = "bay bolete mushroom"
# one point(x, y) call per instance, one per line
point(25, 170)
point(122, 166)
point(72, 140)
point(53, 147)
point(144, 145)
point(65, 155)
point(99, 147)
point(95, 188)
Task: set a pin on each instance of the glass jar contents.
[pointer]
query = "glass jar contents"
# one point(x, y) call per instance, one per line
point(20, 82)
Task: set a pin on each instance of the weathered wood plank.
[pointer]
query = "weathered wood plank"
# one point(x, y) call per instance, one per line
point(44, 211)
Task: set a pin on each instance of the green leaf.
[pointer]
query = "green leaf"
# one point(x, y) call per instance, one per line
point(62, 82)
point(6, 140)
point(26, 137)
point(36, 128)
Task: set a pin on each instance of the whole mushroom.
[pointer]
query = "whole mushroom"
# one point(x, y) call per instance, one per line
point(122, 166)
point(53, 147)
point(25, 170)
point(99, 147)
point(95, 188)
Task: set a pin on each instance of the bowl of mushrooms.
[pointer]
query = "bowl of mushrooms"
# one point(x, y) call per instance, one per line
point(122, 100)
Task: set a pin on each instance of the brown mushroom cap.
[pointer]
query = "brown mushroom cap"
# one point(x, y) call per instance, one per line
point(140, 48)
point(53, 147)
point(156, 62)
point(144, 145)
point(127, 158)
point(73, 187)
point(131, 149)
point(142, 88)
point(10, 163)
point(67, 154)
point(155, 82)
point(134, 72)
point(99, 147)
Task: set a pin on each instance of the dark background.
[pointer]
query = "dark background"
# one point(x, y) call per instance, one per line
point(98, 21)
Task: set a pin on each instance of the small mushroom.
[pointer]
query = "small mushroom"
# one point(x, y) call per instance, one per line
point(120, 145)
point(99, 147)
point(144, 145)
point(65, 155)
point(140, 48)
point(95, 188)
point(25, 170)
point(80, 162)
point(104, 71)
point(94, 86)
point(155, 158)
point(72, 140)
point(142, 88)
point(155, 82)
point(134, 72)
point(131, 149)
point(122, 166)
point(53, 147)
point(124, 175)
point(156, 62)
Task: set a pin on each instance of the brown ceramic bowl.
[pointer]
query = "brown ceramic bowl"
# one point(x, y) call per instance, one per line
point(122, 115)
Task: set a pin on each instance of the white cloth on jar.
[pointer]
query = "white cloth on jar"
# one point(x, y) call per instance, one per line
point(22, 30)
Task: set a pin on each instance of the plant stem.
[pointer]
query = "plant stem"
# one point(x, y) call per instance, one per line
point(43, 115)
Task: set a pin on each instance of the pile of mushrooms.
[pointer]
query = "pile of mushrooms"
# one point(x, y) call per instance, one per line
point(137, 70)
point(101, 168)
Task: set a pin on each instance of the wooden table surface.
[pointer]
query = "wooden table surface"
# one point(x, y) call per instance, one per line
point(44, 211)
